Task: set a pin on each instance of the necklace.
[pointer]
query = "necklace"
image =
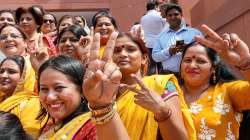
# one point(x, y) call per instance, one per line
point(189, 98)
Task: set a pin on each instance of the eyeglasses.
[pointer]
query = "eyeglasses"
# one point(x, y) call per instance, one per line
point(48, 20)
point(13, 36)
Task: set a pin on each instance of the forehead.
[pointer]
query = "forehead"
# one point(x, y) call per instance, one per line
point(68, 34)
point(78, 19)
point(67, 20)
point(6, 14)
point(10, 29)
point(196, 51)
point(48, 16)
point(173, 11)
point(9, 64)
point(27, 14)
point(50, 75)
point(103, 19)
point(125, 41)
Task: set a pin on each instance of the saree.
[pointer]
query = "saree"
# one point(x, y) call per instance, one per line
point(140, 123)
point(23, 102)
point(68, 131)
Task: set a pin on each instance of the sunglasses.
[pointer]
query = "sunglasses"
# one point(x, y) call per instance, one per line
point(48, 20)
point(13, 36)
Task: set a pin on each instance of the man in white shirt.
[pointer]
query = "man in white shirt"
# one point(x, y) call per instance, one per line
point(152, 24)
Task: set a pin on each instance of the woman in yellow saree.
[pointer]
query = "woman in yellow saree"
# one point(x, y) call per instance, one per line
point(13, 42)
point(17, 99)
point(141, 121)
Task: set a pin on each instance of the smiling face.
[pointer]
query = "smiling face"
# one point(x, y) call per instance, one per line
point(59, 95)
point(12, 41)
point(196, 67)
point(128, 56)
point(105, 27)
point(28, 23)
point(6, 18)
point(68, 43)
point(174, 18)
point(10, 75)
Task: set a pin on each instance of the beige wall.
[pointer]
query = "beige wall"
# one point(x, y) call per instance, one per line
point(224, 16)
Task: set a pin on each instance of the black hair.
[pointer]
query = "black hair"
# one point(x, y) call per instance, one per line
point(222, 72)
point(17, 27)
point(75, 71)
point(103, 13)
point(171, 6)
point(11, 127)
point(19, 60)
point(77, 30)
point(36, 11)
point(151, 6)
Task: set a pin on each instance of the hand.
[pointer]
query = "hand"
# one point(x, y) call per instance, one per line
point(144, 97)
point(176, 48)
point(102, 77)
point(37, 57)
point(137, 32)
point(230, 47)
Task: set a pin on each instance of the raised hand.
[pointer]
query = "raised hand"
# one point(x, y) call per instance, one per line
point(144, 97)
point(83, 51)
point(102, 77)
point(230, 47)
point(38, 56)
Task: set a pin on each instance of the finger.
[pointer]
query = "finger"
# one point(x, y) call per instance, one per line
point(85, 40)
point(138, 81)
point(91, 79)
point(131, 88)
point(109, 68)
point(210, 32)
point(234, 38)
point(92, 31)
point(109, 49)
point(228, 39)
point(207, 43)
point(94, 50)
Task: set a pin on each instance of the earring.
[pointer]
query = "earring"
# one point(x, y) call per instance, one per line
point(214, 78)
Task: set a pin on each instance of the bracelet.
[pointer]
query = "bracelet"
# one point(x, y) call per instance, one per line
point(165, 116)
point(101, 111)
point(104, 117)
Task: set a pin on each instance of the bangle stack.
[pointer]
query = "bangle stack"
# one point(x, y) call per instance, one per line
point(104, 114)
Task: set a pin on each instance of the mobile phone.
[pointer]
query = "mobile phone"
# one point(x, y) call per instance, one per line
point(179, 42)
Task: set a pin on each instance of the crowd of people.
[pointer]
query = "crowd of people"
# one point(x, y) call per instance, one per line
point(161, 80)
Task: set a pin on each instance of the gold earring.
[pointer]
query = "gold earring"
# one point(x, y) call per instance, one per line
point(214, 78)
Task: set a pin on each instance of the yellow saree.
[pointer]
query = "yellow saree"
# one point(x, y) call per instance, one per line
point(68, 131)
point(23, 102)
point(139, 122)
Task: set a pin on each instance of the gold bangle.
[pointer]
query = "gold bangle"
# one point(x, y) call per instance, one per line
point(104, 118)
point(101, 111)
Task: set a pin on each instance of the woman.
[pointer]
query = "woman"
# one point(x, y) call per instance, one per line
point(13, 42)
point(30, 21)
point(141, 121)
point(11, 127)
point(17, 99)
point(81, 21)
point(49, 24)
point(212, 101)
point(73, 41)
point(64, 22)
point(7, 17)
point(60, 92)
point(104, 24)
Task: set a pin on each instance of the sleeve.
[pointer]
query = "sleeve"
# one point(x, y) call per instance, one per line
point(239, 93)
point(170, 91)
point(160, 54)
point(87, 132)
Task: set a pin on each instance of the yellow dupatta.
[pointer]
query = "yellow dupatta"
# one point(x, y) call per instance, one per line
point(24, 103)
point(139, 122)
point(68, 131)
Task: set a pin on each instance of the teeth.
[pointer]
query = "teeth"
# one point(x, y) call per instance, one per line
point(55, 105)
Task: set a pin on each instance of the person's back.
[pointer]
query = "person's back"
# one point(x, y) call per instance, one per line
point(152, 24)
